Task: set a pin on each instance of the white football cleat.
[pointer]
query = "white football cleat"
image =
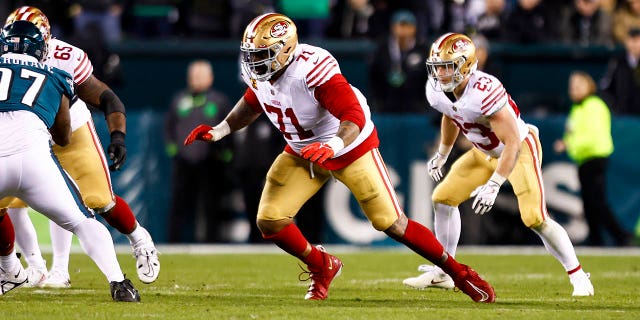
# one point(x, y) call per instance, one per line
point(57, 279)
point(147, 262)
point(13, 279)
point(432, 277)
point(582, 286)
point(37, 276)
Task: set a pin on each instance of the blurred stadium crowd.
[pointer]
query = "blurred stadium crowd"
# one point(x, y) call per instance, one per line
point(588, 22)
point(94, 25)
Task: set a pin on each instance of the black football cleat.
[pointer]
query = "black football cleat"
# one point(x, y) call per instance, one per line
point(124, 291)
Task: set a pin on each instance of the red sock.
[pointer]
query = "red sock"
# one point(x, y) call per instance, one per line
point(574, 270)
point(291, 240)
point(121, 217)
point(7, 235)
point(421, 240)
point(451, 266)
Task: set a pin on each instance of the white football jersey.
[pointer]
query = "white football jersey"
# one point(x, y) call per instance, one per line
point(292, 107)
point(483, 96)
point(75, 61)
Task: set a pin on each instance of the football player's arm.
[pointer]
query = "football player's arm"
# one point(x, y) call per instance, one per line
point(337, 96)
point(506, 129)
point(61, 128)
point(448, 132)
point(97, 94)
point(242, 114)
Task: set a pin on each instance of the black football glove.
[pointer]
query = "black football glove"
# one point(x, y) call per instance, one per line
point(117, 151)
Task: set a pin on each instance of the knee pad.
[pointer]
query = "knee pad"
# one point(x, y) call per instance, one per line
point(383, 222)
point(98, 206)
point(269, 213)
point(439, 196)
point(532, 218)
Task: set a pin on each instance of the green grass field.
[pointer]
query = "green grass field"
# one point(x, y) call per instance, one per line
point(265, 286)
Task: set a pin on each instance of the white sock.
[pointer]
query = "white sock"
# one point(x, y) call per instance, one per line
point(580, 274)
point(447, 226)
point(26, 237)
point(138, 236)
point(557, 242)
point(10, 262)
point(61, 246)
point(98, 244)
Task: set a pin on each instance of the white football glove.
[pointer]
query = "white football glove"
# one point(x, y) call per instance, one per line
point(485, 197)
point(434, 166)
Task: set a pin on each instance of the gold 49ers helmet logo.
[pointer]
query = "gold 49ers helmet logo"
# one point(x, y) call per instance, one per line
point(460, 45)
point(279, 29)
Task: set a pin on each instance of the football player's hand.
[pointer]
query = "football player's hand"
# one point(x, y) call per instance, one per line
point(201, 132)
point(317, 152)
point(485, 197)
point(116, 150)
point(434, 166)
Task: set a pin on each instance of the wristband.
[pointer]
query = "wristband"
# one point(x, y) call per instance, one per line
point(220, 131)
point(336, 143)
point(495, 177)
point(444, 150)
point(117, 136)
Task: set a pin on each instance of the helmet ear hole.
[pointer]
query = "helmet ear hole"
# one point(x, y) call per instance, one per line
point(461, 71)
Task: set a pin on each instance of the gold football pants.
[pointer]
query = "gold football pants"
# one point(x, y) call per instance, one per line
point(473, 169)
point(291, 181)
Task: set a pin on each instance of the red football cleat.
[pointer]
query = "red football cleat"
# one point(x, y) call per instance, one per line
point(469, 282)
point(321, 278)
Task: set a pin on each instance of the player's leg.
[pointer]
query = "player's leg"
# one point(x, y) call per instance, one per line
point(85, 161)
point(12, 274)
point(144, 250)
point(27, 240)
point(527, 183)
point(60, 247)
point(290, 182)
point(369, 181)
point(49, 190)
point(467, 172)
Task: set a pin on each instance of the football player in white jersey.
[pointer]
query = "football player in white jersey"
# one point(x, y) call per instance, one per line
point(329, 133)
point(477, 105)
point(85, 161)
point(35, 97)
